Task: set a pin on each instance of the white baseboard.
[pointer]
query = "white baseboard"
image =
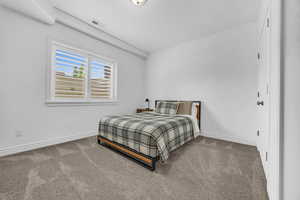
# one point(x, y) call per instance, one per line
point(230, 138)
point(44, 143)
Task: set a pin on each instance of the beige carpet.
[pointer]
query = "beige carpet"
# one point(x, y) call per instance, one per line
point(204, 169)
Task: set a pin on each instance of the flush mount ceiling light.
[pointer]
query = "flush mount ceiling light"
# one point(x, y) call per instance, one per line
point(139, 2)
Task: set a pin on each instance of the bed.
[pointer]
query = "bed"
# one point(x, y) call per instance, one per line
point(150, 136)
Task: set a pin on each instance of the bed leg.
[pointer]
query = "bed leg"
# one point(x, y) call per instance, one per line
point(153, 167)
point(98, 140)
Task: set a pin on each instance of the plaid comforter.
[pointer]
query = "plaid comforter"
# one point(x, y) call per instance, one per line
point(150, 133)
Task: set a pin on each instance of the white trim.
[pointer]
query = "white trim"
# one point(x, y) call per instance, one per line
point(276, 191)
point(230, 138)
point(44, 143)
point(275, 185)
point(107, 60)
point(89, 55)
point(53, 103)
point(115, 82)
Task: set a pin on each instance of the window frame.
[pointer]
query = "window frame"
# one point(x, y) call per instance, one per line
point(50, 97)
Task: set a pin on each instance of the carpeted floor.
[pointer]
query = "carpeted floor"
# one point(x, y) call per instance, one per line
point(204, 169)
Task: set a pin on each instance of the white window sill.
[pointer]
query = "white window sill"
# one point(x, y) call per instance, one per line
point(79, 102)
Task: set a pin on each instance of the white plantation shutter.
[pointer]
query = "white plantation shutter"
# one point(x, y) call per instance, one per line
point(100, 80)
point(70, 74)
point(78, 75)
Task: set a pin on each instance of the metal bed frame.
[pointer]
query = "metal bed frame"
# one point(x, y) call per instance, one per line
point(140, 158)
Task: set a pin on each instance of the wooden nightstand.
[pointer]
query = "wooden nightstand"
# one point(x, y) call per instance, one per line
point(139, 110)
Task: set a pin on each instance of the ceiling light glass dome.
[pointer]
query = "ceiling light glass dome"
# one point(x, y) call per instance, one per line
point(139, 2)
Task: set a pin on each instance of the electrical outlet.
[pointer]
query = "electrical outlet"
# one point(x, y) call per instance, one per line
point(19, 134)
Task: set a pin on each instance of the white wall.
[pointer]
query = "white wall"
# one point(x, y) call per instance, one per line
point(221, 71)
point(291, 101)
point(23, 63)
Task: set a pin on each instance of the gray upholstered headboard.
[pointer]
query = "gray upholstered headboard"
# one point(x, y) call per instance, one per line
point(198, 105)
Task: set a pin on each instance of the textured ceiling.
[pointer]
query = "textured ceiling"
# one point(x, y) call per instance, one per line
point(162, 23)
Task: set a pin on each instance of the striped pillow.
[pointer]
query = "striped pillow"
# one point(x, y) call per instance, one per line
point(169, 108)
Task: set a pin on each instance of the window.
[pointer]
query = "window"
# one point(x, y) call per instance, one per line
point(80, 76)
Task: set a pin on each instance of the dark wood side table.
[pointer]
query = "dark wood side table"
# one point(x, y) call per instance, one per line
point(139, 110)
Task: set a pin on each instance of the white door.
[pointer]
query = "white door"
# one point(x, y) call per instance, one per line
point(263, 95)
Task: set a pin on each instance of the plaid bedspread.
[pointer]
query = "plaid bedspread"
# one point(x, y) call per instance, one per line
point(149, 133)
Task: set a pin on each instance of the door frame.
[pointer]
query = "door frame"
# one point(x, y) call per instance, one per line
point(264, 144)
point(276, 55)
